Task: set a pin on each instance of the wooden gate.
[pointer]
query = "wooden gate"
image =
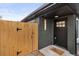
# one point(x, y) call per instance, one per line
point(18, 38)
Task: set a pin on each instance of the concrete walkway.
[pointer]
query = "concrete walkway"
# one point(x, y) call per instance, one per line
point(48, 52)
point(51, 50)
point(78, 49)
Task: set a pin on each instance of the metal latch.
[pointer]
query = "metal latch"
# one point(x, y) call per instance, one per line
point(18, 29)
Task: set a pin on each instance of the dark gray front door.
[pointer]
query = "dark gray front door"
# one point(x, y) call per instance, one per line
point(60, 32)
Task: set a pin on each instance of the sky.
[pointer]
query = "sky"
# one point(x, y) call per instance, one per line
point(17, 11)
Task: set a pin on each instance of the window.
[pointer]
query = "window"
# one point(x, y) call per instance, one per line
point(44, 24)
point(60, 24)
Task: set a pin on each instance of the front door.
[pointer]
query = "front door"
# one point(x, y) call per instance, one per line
point(60, 32)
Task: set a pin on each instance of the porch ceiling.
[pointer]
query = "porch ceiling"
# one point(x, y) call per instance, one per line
point(62, 11)
point(51, 10)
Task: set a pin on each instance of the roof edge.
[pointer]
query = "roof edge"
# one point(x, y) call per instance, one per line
point(38, 9)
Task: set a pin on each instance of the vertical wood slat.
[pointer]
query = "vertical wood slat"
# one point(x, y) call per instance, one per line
point(11, 40)
point(35, 36)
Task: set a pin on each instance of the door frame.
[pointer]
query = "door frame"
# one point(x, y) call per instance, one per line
point(66, 29)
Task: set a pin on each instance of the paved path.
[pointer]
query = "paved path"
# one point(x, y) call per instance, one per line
point(78, 49)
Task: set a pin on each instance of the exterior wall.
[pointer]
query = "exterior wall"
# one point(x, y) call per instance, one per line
point(41, 33)
point(71, 33)
point(45, 36)
point(50, 30)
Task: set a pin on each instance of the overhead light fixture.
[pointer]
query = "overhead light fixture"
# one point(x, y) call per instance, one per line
point(56, 16)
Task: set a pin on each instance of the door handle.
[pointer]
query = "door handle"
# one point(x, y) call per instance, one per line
point(54, 37)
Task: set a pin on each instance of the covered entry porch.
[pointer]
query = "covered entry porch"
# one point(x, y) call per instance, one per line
point(56, 25)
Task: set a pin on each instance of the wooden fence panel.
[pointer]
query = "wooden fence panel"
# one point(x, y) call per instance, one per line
point(18, 38)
